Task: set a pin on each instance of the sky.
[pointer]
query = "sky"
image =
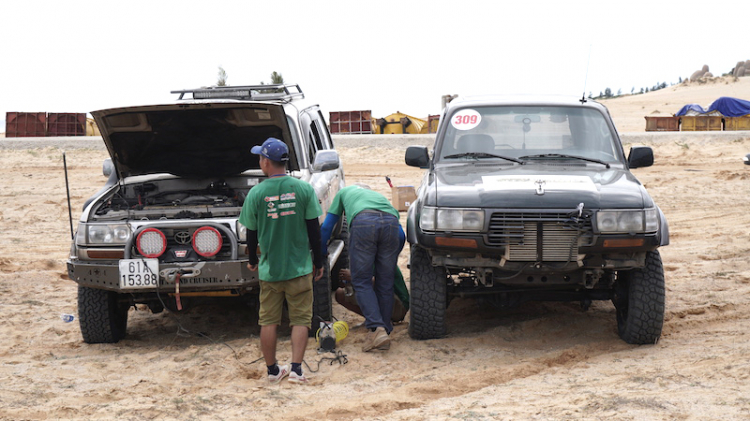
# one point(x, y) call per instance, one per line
point(384, 56)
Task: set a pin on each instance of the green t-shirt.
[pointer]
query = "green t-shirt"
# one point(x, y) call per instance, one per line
point(354, 199)
point(399, 288)
point(277, 208)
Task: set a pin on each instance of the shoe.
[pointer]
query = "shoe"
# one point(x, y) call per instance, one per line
point(378, 340)
point(297, 378)
point(283, 372)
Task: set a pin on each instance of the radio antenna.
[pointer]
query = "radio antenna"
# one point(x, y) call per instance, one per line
point(585, 80)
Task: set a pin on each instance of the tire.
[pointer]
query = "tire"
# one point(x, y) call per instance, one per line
point(343, 260)
point(322, 305)
point(639, 302)
point(428, 301)
point(101, 316)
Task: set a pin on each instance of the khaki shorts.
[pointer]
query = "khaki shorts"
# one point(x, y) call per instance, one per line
point(298, 293)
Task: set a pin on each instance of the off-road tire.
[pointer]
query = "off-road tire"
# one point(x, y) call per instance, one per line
point(101, 315)
point(639, 302)
point(428, 301)
point(322, 303)
point(343, 260)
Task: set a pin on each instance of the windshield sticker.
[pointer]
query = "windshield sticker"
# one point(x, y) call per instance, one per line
point(466, 119)
point(535, 182)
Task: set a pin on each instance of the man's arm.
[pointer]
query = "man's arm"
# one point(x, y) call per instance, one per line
point(326, 230)
point(313, 234)
point(252, 246)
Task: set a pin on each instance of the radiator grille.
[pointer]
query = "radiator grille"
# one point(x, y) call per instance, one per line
point(532, 237)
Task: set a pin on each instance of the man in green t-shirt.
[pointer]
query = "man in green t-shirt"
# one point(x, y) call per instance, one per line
point(375, 241)
point(281, 215)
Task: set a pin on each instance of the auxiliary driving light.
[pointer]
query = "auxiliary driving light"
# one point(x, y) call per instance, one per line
point(151, 242)
point(207, 241)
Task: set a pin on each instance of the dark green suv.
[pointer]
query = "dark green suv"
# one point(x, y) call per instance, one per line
point(532, 198)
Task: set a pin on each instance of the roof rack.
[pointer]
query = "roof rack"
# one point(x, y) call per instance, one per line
point(251, 92)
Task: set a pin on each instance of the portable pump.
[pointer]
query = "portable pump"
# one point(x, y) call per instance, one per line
point(326, 337)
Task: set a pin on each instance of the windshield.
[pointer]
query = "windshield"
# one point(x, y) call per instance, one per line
point(515, 132)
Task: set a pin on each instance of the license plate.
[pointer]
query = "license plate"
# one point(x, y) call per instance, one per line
point(139, 273)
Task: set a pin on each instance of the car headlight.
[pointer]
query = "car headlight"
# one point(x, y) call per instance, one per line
point(104, 234)
point(627, 221)
point(241, 232)
point(451, 219)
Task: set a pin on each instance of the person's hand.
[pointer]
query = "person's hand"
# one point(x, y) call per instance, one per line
point(252, 267)
point(345, 274)
point(318, 273)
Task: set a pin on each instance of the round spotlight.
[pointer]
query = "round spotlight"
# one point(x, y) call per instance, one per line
point(151, 242)
point(207, 241)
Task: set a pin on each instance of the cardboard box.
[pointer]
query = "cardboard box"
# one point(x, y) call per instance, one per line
point(403, 196)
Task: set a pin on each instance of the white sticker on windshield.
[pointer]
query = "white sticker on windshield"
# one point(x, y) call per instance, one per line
point(466, 119)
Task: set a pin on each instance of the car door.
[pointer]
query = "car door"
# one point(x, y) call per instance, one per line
point(317, 138)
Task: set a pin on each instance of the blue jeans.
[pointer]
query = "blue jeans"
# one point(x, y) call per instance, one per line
point(374, 246)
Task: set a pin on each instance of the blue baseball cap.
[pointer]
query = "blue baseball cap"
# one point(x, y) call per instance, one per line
point(273, 149)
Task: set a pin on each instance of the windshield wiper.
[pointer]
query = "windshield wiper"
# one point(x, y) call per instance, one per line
point(558, 155)
point(483, 155)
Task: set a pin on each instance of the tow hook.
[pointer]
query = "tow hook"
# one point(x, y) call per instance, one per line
point(174, 275)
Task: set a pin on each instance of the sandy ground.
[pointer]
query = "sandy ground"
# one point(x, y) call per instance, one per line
point(539, 361)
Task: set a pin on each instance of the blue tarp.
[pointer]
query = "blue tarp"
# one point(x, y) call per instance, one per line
point(730, 107)
point(727, 106)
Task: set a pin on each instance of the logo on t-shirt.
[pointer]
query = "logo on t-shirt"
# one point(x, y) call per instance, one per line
point(273, 208)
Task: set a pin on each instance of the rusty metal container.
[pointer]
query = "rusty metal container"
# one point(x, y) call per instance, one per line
point(737, 123)
point(351, 122)
point(66, 124)
point(21, 124)
point(662, 124)
point(432, 123)
point(700, 123)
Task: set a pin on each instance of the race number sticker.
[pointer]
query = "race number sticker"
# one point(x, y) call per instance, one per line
point(466, 119)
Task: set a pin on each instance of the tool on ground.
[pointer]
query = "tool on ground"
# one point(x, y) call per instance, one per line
point(330, 334)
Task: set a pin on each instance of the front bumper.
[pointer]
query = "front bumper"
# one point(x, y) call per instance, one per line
point(214, 276)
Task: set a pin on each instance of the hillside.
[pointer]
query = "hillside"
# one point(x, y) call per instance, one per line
point(629, 111)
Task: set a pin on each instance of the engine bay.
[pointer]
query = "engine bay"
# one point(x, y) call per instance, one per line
point(175, 198)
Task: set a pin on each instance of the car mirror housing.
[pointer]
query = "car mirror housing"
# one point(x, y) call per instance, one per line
point(640, 156)
point(417, 156)
point(326, 160)
point(108, 167)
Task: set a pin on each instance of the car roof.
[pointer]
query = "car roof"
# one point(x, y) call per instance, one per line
point(521, 100)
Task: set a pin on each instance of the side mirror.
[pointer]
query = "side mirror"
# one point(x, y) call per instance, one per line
point(326, 160)
point(417, 156)
point(108, 167)
point(640, 156)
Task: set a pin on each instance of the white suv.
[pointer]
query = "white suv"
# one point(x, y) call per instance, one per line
point(165, 227)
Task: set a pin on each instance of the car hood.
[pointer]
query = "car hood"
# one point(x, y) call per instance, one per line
point(191, 139)
point(535, 186)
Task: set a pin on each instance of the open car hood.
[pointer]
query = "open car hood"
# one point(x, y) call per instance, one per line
point(191, 139)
